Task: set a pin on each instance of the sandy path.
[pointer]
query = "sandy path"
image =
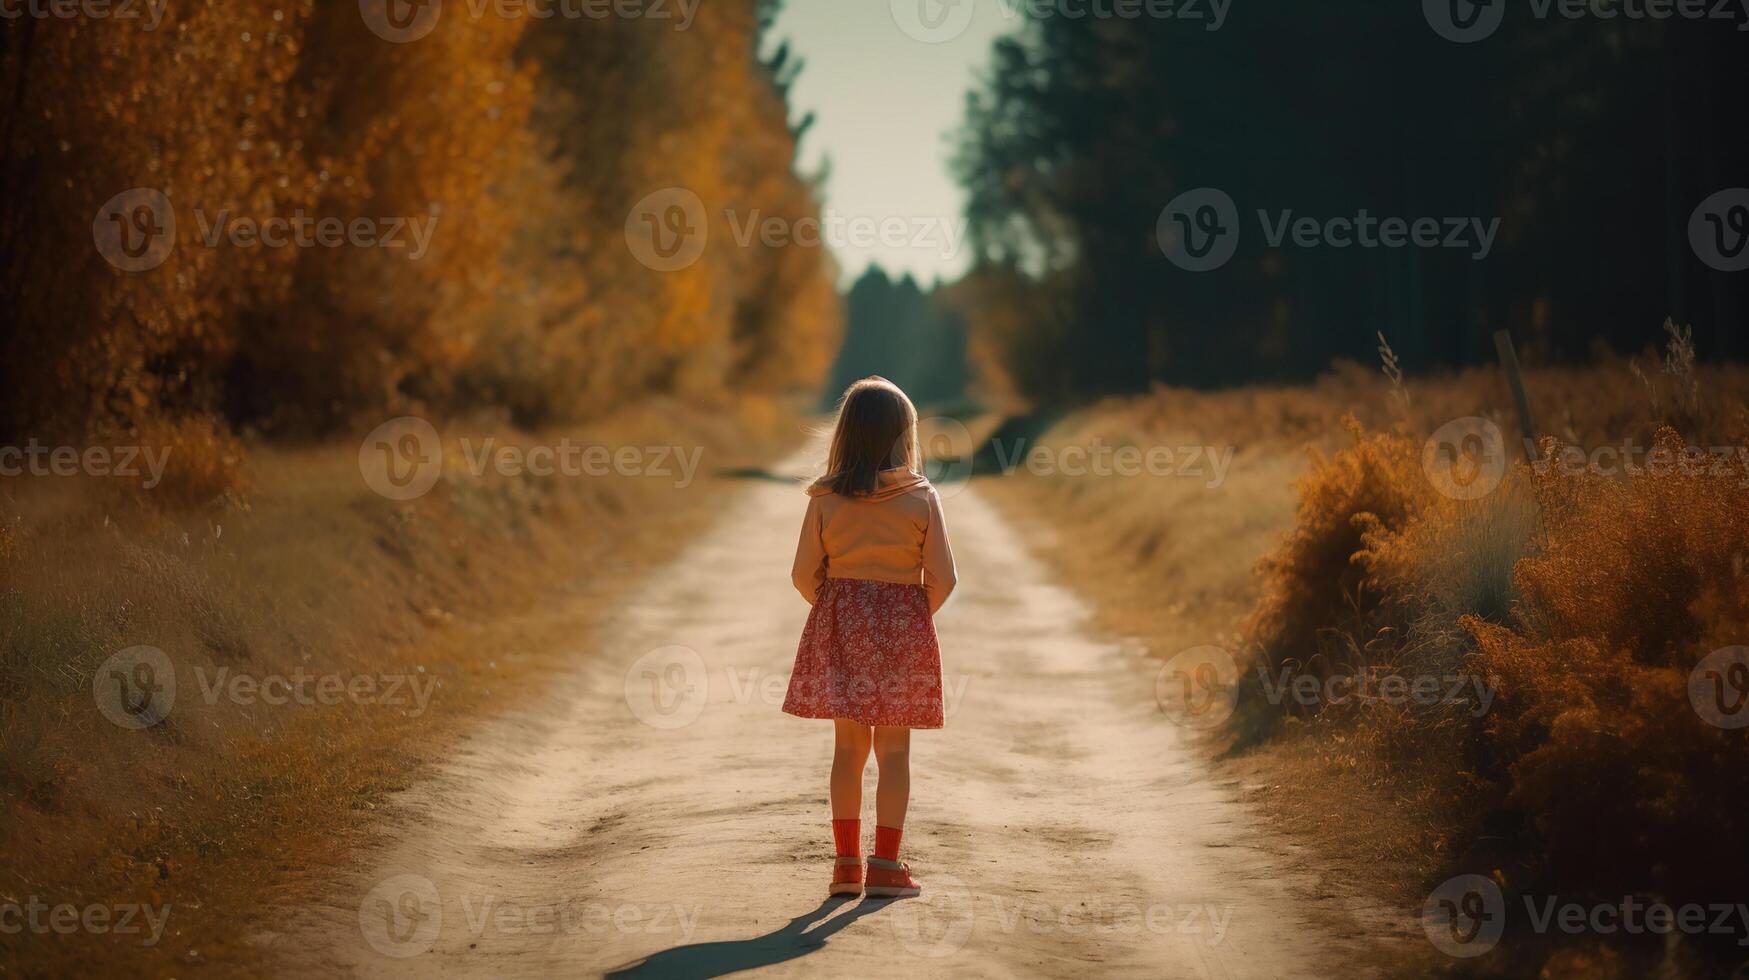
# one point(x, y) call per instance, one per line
point(659, 813)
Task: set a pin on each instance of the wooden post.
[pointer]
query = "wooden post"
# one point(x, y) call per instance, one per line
point(1515, 377)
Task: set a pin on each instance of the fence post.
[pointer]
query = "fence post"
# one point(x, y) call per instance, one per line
point(1509, 361)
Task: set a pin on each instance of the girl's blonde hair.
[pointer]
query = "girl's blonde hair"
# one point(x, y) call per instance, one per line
point(876, 430)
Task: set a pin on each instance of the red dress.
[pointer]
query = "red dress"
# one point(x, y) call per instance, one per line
point(876, 566)
point(868, 654)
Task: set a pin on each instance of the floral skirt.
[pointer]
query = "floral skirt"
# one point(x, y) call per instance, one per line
point(868, 654)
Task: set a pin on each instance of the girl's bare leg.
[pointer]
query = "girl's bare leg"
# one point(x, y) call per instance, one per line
point(892, 749)
point(849, 756)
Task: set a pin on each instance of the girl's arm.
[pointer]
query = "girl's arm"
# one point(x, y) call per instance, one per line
point(809, 571)
point(938, 572)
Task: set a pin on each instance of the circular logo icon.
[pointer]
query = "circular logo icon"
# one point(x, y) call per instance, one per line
point(1465, 916)
point(1465, 459)
point(933, 21)
point(1198, 688)
point(1464, 21)
point(939, 922)
point(135, 688)
point(135, 230)
point(667, 687)
point(667, 230)
point(1719, 230)
point(400, 21)
point(1199, 229)
point(401, 916)
point(947, 449)
point(402, 458)
point(1718, 687)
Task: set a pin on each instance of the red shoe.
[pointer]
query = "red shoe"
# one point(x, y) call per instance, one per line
point(847, 876)
point(891, 879)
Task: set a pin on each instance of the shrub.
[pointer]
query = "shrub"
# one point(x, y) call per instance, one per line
point(1312, 582)
point(1625, 784)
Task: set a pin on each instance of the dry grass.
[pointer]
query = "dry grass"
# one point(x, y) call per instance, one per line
point(1581, 600)
point(224, 809)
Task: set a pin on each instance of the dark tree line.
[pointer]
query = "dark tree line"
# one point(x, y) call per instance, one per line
point(897, 329)
point(1592, 141)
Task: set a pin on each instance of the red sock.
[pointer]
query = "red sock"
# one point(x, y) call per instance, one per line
point(847, 837)
point(887, 842)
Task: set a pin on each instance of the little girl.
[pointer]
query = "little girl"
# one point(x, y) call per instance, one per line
point(874, 562)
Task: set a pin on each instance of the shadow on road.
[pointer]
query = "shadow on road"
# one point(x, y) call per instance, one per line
point(717, 959)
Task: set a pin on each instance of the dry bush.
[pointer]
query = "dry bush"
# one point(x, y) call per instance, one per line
point(1625, 784)
point(1312, 582)
point(204, 462)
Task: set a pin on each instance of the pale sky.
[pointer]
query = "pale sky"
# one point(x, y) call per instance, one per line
point(885, 98)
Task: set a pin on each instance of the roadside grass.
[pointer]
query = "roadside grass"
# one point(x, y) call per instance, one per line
point(233, 805)
point(1581, 601)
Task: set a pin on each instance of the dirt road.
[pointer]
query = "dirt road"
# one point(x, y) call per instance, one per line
point(658, 815)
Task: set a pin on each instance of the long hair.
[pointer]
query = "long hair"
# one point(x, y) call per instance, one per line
point(876, 430)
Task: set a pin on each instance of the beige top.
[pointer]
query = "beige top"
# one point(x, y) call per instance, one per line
point(895, 534)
